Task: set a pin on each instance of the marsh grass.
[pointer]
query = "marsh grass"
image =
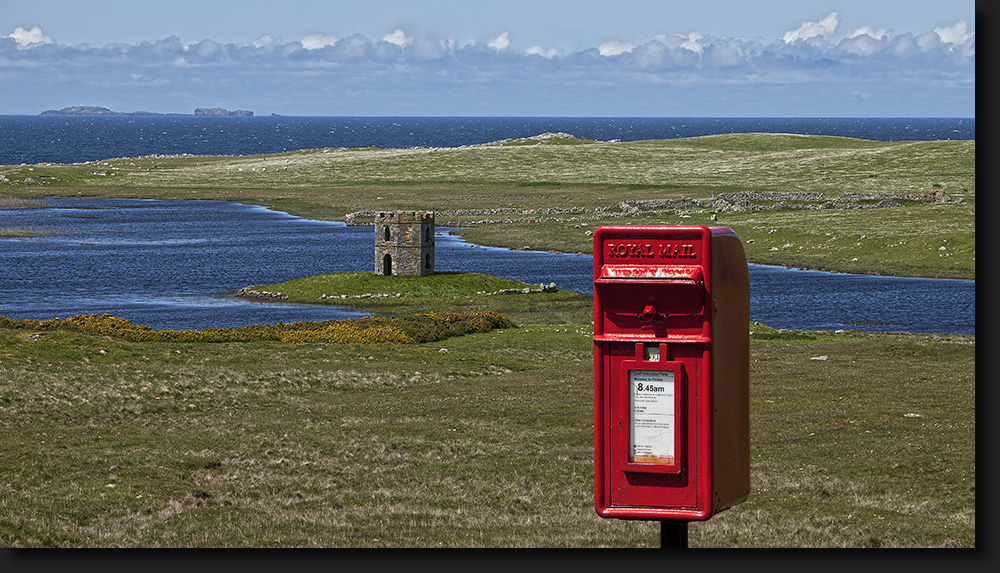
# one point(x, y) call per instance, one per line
point(19, 233)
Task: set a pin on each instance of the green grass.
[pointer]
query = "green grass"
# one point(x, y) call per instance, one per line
point(449, 287)
point(440, 292)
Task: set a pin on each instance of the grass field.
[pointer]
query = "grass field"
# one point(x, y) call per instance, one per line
point(482, 440)
point(486, 440)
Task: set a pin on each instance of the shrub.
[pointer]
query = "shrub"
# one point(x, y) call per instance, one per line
point(405, 329)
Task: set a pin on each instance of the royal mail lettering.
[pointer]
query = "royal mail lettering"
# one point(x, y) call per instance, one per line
point(678, 251)
point(651, 250)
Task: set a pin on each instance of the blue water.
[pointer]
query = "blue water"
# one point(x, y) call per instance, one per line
point(177, 264)
point(39, 139)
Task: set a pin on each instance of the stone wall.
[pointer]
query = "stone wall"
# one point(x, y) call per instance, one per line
point(746, 201)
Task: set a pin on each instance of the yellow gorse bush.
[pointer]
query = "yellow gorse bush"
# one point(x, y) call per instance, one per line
point(406, 329)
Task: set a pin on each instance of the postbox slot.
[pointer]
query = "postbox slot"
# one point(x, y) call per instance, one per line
point(648, 301)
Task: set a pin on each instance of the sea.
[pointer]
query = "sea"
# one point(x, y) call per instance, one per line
point(76, 139)
point(177, 264)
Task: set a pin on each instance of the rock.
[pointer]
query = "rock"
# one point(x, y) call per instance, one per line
point(220, 112)
point(248, 292)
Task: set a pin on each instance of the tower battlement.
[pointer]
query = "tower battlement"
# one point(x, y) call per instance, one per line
point(404, 243)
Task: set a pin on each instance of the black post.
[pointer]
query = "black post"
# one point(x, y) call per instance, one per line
point(673, 534)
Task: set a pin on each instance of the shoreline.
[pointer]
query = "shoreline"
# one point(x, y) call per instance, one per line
point(11, 202)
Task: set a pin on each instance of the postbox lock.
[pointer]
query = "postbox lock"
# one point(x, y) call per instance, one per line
point(648, 314)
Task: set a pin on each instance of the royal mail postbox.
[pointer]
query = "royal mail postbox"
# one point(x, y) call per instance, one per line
point(671, 372)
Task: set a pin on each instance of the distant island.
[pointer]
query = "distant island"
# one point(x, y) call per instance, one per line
point(93, 110)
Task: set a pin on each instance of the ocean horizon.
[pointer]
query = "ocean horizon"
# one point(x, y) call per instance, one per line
point(32, 139)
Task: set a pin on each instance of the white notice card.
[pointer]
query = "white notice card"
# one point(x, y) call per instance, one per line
point(651, 416)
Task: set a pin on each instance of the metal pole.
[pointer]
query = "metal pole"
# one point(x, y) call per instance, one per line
point(673, 534)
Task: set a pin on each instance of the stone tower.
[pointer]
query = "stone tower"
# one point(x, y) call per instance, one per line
point(404, 243)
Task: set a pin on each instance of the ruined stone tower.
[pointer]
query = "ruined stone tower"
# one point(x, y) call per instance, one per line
point(404, 243)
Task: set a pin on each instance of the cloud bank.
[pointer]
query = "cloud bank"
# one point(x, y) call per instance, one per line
point(812, 70)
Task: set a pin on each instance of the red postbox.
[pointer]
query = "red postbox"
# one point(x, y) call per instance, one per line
point(671, 372)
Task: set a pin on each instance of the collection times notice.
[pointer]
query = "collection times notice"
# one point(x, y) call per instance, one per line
point(651, 413)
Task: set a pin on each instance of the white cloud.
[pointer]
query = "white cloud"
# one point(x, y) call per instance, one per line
point(956, 34)
point(862, 45)
point(501, 42)
point(668, 40)
point(266, 42)
point(878, 34)
point(928, 41)
point(398, 37)
point(865, 41)
point(651, 54)
point(547, 53)
point(29, 37)
point(615, 48)
point(821, 30)
point(428, 49)
point(356, 47)
point(725, 55)
point(691, 41)
point(203, 51)
point(317, 41)
point(806, 61)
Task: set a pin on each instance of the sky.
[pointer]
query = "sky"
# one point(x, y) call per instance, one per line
point(594, 58)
